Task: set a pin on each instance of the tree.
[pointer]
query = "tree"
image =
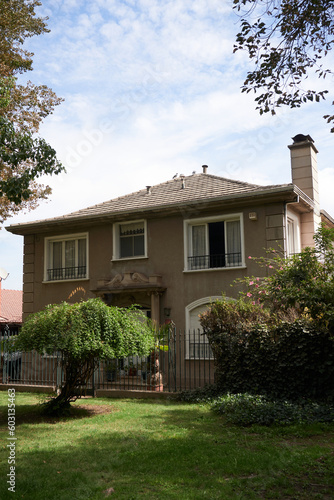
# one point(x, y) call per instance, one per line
point(286, 40)
point(278, 338)
point(303, 282)
point(84, 333)
point(24, 156)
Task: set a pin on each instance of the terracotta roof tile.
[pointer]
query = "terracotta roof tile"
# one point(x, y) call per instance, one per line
point(11, 306)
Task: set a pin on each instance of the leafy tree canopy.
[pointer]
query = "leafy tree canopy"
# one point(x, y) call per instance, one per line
point(278, 337)
point(87, 330)
point(303, 282)
point(286, 40)
point(24, 156)
point(84, 333)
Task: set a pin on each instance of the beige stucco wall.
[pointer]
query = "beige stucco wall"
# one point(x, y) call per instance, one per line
point(165, 241)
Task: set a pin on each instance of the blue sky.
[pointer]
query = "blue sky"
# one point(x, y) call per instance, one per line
point(152, 88)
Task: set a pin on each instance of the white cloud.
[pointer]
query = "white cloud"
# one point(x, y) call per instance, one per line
point(152, 88)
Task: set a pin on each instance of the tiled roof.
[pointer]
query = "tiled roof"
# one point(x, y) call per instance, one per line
point(177, 192)
point(11, 306)
point(174, 194)
point(197, 187)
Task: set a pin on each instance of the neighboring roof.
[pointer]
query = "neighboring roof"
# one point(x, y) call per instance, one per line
point(327, 219)
point(11, 306)
point(171, 195)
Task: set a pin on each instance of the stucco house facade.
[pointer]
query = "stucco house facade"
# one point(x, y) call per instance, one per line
point(173, 247)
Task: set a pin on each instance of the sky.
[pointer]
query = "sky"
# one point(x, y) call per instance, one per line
point(151, 88)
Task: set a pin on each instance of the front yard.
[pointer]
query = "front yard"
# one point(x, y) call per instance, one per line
point(142, 449)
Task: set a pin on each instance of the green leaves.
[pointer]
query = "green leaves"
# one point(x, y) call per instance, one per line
point(286, 42)
point(18, 148)
point(23, 156)
point(87, 329)
point(249, 409)
point(84, 333)
point(304, 282)
point(279, 338)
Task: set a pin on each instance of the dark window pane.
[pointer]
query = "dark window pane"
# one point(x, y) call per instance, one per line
point(217, 244)
point(126, 246)
point(139, 245)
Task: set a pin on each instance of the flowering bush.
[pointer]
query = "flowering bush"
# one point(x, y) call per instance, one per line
point(303, 282)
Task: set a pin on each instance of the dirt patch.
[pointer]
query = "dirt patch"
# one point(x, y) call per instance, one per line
point(32, 414)
point(96, 409)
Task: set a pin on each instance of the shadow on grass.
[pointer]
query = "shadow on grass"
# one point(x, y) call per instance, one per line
point(160, 460)
point(160, 450)
point(33, 414)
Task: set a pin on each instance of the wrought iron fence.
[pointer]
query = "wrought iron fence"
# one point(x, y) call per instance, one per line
point(214, 260)
point(183, 361)
point(66, 273)
point(27, 368)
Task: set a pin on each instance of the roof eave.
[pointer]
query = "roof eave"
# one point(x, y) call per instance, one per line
point(286, 192)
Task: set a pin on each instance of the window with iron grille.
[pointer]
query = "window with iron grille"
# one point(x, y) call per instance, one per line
point(66, 257)
point(214, 243)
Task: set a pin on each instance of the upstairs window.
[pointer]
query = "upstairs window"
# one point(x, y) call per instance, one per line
point(130, 240)
point(66, 257)
point(214, 243)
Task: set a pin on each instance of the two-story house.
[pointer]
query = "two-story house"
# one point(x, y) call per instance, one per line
point(173, 247)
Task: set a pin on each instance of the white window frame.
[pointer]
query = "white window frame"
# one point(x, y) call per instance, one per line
point(187, 235)
point(116, 240)
point(204, 301)
point(293, 220)
point(62, 238)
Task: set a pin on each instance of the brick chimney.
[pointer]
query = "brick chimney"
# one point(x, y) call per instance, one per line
point(304, 172)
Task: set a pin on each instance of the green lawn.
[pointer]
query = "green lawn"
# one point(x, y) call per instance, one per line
point(146, 449)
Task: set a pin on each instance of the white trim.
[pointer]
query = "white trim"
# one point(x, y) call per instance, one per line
point(116, 242)
point(61, 238)
point(293, 217)
point(187, 239)
point(190, 307)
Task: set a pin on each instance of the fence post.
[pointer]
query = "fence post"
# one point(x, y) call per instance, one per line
point(59, 373)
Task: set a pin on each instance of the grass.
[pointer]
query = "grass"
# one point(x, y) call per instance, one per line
point(141, 449)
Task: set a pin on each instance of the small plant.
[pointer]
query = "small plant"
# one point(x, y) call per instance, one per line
point(206, 394)
point(248, 409)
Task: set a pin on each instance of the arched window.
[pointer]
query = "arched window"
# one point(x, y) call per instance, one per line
point(197, 344)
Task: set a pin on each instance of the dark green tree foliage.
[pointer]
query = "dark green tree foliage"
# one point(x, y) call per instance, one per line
point(287, 40)
point(18, 148)
point(277, 358)
point(84, 333)
point(302, 282)
point(24, 156)
point(278, 338)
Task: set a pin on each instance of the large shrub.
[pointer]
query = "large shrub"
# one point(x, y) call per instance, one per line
point(303, 282)
point(84, 333)
point(259, 353)
point(278, 338)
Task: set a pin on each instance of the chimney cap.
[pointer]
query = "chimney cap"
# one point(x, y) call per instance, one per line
point(301, 138)
point(205, 169)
